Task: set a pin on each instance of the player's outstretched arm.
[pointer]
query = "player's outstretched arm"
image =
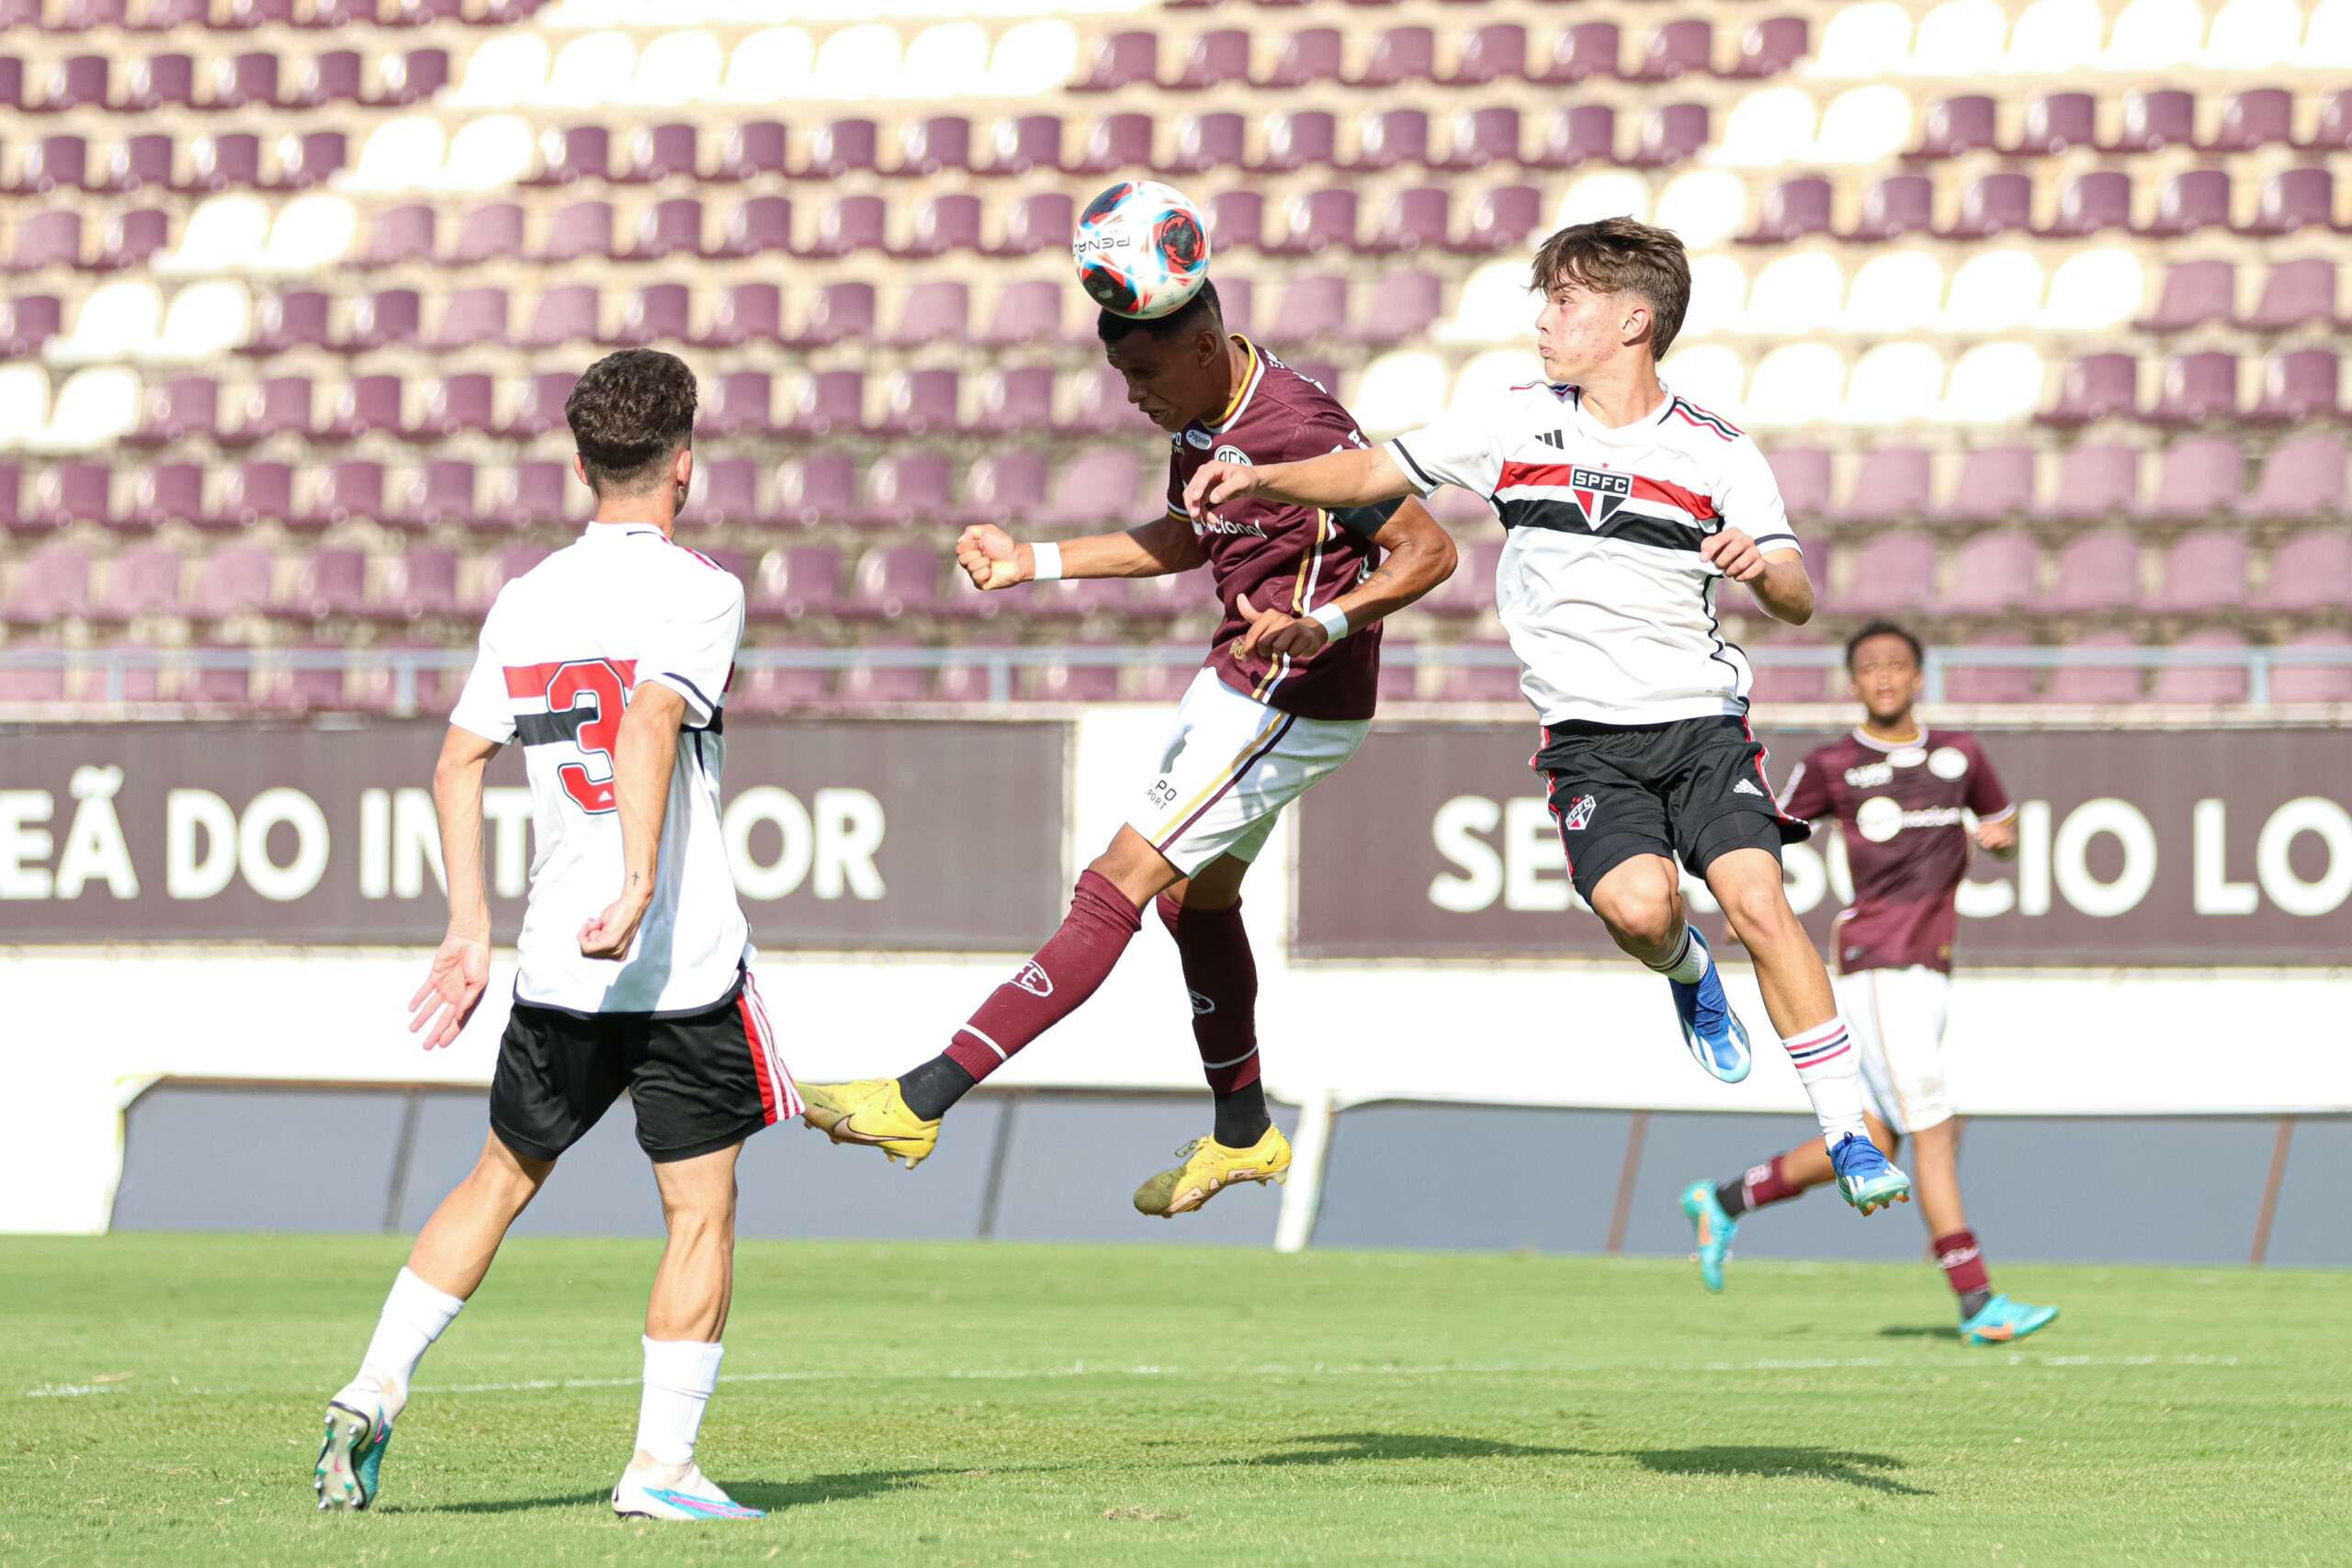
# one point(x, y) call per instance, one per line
point(1778, 578)
point(992, 558)
point(462, 965)
point(643, 759)
point(1418, 556)
point(1358, 477)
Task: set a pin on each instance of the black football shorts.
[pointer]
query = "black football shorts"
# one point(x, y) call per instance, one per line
point(699, 1081)
point(1690, 789)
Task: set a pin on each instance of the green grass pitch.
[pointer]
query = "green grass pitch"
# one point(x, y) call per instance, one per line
point(160, 1399)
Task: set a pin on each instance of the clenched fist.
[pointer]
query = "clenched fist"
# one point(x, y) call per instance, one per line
point(989, 555)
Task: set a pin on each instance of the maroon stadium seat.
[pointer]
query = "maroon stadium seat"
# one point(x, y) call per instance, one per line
point(2196, 388)
point(2199, 475)
point(2203, 571)
point(2195, 293)
point(2292, 683)
point(2303, 477)
point(819, 488)
point(2097, 572)
point(1207, 142)
point(1995, 482)
point(2292, 201)
point(2096, 386)
point(1890, 573)
point(2154, 119)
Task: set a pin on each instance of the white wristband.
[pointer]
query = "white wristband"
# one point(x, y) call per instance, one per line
point(1333, 618)
point(1049, 562)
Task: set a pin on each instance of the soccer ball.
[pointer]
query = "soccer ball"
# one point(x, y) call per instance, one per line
point(1142, 249)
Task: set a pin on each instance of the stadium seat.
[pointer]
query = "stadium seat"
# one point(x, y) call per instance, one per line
point(1405, 305)
point(2203, 683)
point(1025, 143)
point(2196, 388)
point(1995, 483)
point(2107, 685)
point(2307, 574)
point(843, 313)
point(2154, 119)
point(796, 584)
point(2299, 386)
point(2203, 572)
point(1038, 222)
point(829, 401)
point(658, 313)
point(741, 402)
point(52, 584)
point(144, 580)
point(1966, 683)
point(2094, 482)
point(2292, 683)
point(1027, 312)
point(2199, 476)
point(2096, 386)
point(2303, 477)
point(1578, 135)
point(1390, 138)
point(755, 149)
point(816, 488)
point(2096, 573)
point(1891, 482)
point(1301, 138)
point(1481, 138)
point(163, 494)
point(747, 312)
point(1417, 218)
point(2294, 201)
point(1003, 487)
point(2195, 293)
point(289, 323)
point(920, 402)
point(1314, 306)
point(2091, 203)
point(353, 487)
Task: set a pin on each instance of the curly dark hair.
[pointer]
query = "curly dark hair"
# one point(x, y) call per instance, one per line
point(1203, 311)
point(629, 413)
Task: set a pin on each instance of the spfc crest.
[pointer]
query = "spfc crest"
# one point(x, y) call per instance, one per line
point(1601, 493)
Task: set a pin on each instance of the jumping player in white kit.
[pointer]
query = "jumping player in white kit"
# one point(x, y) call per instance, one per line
point(609, 662)
point(1626, 508)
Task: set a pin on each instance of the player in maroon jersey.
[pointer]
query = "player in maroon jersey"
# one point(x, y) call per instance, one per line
point(1901, 794)
point(1285, 698)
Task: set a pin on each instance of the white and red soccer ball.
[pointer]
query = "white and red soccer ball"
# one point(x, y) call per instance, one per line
point(1142, 249)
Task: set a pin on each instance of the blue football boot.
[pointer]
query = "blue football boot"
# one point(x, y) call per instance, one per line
point(1867, 1179)
point(351, 1461)
point(1717, 1040)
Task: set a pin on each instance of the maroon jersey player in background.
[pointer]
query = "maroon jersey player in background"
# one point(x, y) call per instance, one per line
point(1283, 699)
point(1901, 794)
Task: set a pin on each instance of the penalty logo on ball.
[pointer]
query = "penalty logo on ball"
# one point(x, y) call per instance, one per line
point(1142, 249)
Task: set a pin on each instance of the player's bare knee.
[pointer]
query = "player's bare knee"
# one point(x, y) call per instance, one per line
point(1640, 904)
point(1761, 912)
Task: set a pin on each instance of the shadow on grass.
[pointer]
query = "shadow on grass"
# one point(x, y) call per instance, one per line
point(1919, 1331)
point(1818, 1464)
point(771, 1497)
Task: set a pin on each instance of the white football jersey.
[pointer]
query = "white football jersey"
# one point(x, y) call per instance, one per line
point(1601, 586)
point(563, 647)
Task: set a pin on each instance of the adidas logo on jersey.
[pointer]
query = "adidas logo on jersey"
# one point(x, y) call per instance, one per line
point(1553, 439)
point(1744, 788)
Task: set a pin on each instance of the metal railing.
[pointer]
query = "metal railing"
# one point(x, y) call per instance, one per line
point(105, 676)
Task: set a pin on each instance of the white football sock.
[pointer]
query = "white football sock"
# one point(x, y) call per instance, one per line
point(414, 1314)
point(1688, 964)
point(1832, 1077)
point(679, 1375)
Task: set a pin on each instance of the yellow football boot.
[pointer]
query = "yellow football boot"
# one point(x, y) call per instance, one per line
point(1209, 1168)
point(871, 1111)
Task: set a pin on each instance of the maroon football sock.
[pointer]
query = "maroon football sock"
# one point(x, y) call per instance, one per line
point(1221, 977)
point(1070, 968)
point(1962, 1263)
point(1766, 1183)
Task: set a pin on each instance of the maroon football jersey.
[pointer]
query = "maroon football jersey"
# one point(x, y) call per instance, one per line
point(1278, 555)
point(1898, 809)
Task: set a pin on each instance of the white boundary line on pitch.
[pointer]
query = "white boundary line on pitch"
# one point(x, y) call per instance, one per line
point(1080, 1370)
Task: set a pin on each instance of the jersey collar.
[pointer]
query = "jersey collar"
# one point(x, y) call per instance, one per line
point(1573, 395)
point(1241, 394)
point(611, 532)
point(1875, 744)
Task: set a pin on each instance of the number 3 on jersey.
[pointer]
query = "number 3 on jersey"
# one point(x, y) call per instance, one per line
point(595, 685)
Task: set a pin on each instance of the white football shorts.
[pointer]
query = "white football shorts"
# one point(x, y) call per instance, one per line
point(1896, 1018)
point(1230, 767)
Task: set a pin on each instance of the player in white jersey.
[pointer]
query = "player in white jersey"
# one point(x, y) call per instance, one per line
point(1627, 507)
point(609, 662)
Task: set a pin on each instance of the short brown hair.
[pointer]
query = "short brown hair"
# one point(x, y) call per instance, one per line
point(629, 412)
point(1617, 255)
